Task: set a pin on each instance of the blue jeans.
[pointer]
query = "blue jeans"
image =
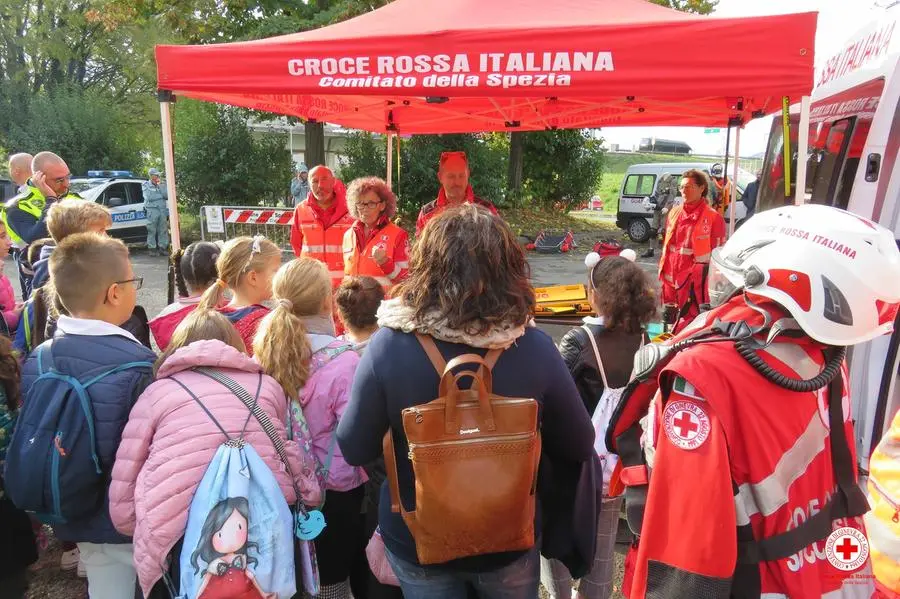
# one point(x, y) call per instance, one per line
point(518, 580)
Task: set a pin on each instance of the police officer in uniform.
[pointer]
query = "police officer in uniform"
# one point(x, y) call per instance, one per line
point(156, 207)
point(25, 215)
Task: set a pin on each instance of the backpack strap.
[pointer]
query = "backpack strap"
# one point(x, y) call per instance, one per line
point(202, 406)
point(260, 415)
point(440, 364)
point(597, 355)
point(26, 324)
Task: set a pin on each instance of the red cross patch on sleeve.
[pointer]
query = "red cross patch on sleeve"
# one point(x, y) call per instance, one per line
point(684, 420)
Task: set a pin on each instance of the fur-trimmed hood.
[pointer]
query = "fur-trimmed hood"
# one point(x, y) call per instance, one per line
point(393, 314)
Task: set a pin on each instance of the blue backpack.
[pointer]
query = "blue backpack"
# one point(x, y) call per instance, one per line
point(52, 468)
point(239, 537)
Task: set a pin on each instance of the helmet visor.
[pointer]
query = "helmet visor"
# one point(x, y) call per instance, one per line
point(723, 280)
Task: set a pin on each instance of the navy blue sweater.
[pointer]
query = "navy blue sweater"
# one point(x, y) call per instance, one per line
point(395, 373)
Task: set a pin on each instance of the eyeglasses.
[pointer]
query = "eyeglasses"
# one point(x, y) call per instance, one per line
point(61, 180)
point(369, 204)
point(138, 282)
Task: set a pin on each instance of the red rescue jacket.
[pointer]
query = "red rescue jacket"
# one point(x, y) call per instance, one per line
point(743, 492)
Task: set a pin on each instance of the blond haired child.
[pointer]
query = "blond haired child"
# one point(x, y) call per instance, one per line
point(296, 345)
point(246, 267)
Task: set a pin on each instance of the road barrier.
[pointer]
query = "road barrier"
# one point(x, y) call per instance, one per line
point(227, 222)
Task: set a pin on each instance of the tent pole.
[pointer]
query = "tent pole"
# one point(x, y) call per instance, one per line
point(169, 158)
point(727, 147)
point(734, 179)
point(390, 158)
point(802, 148)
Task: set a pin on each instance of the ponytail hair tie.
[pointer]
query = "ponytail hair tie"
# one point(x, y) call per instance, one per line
point(286, 304)
point(222, 284)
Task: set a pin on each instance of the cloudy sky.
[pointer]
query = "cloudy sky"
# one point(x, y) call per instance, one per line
point(838, 19)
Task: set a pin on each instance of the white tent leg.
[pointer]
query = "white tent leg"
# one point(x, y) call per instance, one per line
point(802, 148)
point(734, 179)
point(390, 158)
point(169, 158)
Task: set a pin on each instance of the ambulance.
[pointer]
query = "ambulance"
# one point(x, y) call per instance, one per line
point(853, 163)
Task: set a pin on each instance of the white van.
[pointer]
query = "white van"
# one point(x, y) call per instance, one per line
point(641, 181)
point(852, 163)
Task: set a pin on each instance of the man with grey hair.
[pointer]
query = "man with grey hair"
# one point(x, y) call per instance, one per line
point(20, 169)
point(320, 222)
point(25, 215)
point(156, 207)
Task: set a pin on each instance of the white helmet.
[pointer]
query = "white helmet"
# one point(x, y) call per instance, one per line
point(717, 170)
point(836, 273)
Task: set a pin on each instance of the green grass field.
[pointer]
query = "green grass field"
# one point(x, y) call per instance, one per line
point(614, 172)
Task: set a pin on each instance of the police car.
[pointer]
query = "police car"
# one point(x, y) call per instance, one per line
point(121, 193)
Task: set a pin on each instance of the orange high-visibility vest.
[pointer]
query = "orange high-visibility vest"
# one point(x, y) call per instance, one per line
point(359, 261)
point(883, 522)
point(725, 192)
point(324, 245)
point(700, 241)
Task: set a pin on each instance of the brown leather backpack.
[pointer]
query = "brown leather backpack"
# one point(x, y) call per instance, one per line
point(475, 459)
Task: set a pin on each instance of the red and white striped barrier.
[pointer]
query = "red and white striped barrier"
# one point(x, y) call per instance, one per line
point(272, 216)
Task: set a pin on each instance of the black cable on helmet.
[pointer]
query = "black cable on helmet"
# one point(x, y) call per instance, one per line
point(747, 350)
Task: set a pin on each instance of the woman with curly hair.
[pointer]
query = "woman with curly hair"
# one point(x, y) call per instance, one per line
point(599, 356)
point(469, 292)
point(374, 246)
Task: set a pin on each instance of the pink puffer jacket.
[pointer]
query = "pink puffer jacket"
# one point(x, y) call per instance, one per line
point(169, 441)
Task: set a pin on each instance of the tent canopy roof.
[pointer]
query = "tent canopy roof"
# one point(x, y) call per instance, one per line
point(446, 66)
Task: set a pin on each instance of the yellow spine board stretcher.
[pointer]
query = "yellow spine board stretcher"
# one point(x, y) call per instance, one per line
point(570, 302)
point(562, 300)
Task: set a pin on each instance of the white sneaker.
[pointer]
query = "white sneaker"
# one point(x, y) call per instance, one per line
point(82, 573)
point(70, 560)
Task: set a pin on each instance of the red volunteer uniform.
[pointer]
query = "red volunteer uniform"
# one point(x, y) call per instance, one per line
point(432, 209)
point(737, 460)
point(358, 248)
point(319, 234)
point(692, 232)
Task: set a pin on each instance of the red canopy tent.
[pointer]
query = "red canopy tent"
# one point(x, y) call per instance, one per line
point(445, 66)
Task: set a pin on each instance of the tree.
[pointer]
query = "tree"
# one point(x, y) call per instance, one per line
point(364, 156)
point(50, 44)
point(516, 166)
point(562, 167)
point(85, 127)
point(420, 156)
point(220, 161)
point(700, 7)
